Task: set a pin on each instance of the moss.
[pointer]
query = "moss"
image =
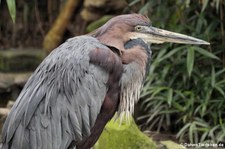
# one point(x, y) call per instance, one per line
point(124, 136)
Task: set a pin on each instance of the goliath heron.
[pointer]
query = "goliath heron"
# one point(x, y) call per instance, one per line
point(78, 87)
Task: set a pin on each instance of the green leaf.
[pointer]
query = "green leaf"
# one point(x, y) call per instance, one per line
point(206, 53)
point(179, 107)
point(217, 5)
point(158, 90)
point(213, 78)
point(134, 2)
point(220, 72)
point(12, 9)
point(204, 136)
point(201, 122)
point(190, 60)
point(144, 9)
point(192, 130)
point(171, 53)
point(170, 96)
point(205, 3)
point(96, 24)
point(220, 90)
point(183, 130)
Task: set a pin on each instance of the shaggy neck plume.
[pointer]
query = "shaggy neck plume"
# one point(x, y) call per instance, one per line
point(133, 74)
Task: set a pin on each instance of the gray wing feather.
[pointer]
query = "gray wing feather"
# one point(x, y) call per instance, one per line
point(61, 100)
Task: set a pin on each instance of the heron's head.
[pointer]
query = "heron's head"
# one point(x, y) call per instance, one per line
point(123, 28)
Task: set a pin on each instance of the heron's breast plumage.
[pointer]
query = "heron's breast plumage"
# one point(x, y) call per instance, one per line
point(135, 58)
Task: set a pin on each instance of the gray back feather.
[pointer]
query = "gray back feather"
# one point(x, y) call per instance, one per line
point(61, 100)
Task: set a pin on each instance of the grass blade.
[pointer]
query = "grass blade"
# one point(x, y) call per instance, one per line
point(170, 96)
point(206, 53)
point(12, 9)
point(190, 60)
point(213, 78)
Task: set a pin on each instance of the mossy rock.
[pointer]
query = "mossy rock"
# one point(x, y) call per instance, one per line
point(123, 136)
point(20, 60)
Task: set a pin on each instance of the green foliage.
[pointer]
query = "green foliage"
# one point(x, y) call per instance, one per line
point(190, 60)
point(185, 90)
point(12, 9)
point(96, 24)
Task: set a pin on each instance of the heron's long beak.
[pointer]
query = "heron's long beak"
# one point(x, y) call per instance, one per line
point(156, 35)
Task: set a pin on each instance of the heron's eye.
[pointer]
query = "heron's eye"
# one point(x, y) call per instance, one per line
point(138, 28)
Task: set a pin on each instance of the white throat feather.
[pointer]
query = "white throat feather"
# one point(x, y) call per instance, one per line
point(131, 85)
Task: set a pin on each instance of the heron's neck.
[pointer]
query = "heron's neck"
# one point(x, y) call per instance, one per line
point(135, 58)
point(138, 51)
point(144, 48)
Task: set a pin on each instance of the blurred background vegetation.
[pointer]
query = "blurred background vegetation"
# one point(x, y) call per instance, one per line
point(184, 93)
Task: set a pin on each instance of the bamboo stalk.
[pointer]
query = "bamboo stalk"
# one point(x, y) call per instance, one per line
point(54, 36)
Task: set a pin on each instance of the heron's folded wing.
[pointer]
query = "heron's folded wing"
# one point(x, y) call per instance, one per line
point(61, 100)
